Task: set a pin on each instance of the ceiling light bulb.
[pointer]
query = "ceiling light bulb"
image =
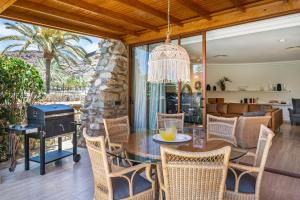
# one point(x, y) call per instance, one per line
point(220, 56)
point(282, 40)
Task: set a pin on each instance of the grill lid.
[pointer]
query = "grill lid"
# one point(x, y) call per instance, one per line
point(53, 108)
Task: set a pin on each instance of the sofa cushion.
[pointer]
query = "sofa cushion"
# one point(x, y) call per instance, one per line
point(247, 130)
point(212, 100)
point(255, 107)
point(237, 108)
point(254, 114)
point(211, 108)
point(222, 108)
point(267, 108)
point(230, 115)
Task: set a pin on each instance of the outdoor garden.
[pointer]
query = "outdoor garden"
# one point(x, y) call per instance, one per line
point(39, 65)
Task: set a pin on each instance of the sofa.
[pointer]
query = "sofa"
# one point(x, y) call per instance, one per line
point(242, 109)
point(248, 129)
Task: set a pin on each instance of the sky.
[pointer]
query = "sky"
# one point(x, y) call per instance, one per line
point(89, 47)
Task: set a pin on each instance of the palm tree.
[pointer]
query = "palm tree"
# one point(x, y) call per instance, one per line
point(57, 46)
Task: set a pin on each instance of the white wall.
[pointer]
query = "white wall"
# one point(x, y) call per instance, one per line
point(255, 76)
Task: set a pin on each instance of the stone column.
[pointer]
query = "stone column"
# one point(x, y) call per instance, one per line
point(107, 96)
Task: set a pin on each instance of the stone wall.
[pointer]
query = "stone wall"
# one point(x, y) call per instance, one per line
point(108, 94)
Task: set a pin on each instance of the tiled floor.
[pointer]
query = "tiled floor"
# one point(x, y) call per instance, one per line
point(67, 180)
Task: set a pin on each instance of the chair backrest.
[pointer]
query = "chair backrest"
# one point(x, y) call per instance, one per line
point(161, 118)
point(296, 105)
point(194, 175)
point(248, 129)
point(263, 146)
point(98, 157)
point(221, 128)
point(264, 143)
point(117, 130)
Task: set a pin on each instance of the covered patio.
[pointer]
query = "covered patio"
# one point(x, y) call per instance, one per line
point(65, 180)
point(129, 29)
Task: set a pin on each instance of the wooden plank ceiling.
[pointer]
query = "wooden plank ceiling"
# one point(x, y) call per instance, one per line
point(136, 21)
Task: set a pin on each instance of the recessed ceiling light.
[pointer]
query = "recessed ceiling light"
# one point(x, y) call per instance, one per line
point(293, 47)
point(220, 56)
point(282, 40)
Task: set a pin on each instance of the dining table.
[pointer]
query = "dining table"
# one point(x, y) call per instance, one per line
point(141, 147)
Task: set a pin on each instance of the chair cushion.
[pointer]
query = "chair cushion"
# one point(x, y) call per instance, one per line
point(247, 182)
point(254, 114)
point(121, 186)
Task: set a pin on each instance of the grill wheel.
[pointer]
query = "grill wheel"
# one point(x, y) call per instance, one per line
point(76, 158)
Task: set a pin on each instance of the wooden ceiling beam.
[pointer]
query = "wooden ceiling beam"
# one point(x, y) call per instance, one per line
point(192, 5)
point(239, 5)
point(109, 13)
point(254, 12)
point(15, 14)
point(4, 4)
point(149, 10)
point(38, 8)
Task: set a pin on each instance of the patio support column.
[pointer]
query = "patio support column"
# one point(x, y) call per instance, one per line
point(204, 79)
point(107, 96)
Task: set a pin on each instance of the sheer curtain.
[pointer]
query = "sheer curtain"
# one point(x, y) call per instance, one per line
point(157, 102)
point(157, 98)
point(148, 98)
point(140, 67)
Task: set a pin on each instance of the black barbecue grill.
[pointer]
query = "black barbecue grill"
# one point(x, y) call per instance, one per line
point(55, 119)
point(47, 121)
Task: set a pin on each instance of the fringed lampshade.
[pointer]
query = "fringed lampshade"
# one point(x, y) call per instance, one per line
point(168, 63)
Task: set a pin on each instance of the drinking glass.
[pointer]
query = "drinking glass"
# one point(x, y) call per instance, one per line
point(171, 125)
point(198, 137)
point(167, 134)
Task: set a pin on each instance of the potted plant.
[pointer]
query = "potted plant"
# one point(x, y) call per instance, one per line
point(222, 82)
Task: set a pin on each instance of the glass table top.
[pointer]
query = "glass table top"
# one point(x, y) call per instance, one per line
point(141, 147)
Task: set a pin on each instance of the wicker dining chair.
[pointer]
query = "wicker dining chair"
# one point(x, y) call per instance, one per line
point(244, 181)
point(221, 128)
point(193, 175)
point(161, 118)
point(126, 183)
point(117, 131)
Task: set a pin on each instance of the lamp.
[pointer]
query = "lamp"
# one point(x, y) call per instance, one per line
point(168, 62)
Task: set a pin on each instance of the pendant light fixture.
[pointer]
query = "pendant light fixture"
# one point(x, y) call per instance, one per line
point(168, 62)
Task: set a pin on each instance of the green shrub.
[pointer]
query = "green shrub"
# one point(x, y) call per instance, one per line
point(20, 85)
